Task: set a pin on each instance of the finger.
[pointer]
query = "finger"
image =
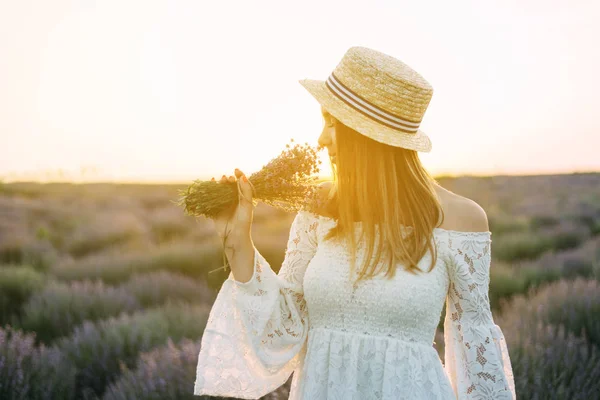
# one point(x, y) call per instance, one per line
point(243, 184)
point(213, 179)
point(245, 187)
point(223, 179)
point(240, 175)
point(231, 179)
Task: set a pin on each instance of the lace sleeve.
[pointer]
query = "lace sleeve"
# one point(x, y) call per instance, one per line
point(476, 357)
point(256, 331)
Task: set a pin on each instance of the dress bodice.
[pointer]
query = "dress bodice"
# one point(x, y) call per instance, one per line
point(407, 306)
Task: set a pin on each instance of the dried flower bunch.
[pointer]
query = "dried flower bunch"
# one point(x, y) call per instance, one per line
point(285, 183)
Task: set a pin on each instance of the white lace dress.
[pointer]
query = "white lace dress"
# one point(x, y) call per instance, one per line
point(372, 341)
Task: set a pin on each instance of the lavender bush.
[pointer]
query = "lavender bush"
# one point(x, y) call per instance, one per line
point(502, 223)
point(102, 230)
point(553, 265)
point(543, 221)
point(156, 288)
point(27, 250)
point(169, 223)
point(552, 337)
point(32, 373)
point(549, 362)
point(191, 259)
point(168, 372)
point(520, 246)
point(97, 350)
point(504, 283)
point(56, 310)
point(567, 234)
point(575, 304)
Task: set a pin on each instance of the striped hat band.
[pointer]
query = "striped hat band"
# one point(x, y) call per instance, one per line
point(369, 109)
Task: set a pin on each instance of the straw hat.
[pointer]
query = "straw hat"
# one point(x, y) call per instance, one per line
point(378, 96)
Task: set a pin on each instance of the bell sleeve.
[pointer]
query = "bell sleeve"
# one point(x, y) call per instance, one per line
point(256, 331)
point(476, 357)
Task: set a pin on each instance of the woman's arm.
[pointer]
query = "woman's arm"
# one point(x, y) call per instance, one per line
point(476, 357)
point(257, 329)
point(240, 256)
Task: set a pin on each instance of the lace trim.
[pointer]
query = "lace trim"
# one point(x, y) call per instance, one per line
point(483, 235)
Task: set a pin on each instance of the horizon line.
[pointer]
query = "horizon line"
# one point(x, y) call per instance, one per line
point(150, 181)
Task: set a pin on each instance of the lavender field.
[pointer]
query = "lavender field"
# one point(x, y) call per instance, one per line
point(105, 292)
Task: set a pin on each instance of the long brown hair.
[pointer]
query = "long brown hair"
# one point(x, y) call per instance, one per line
point(378, 184)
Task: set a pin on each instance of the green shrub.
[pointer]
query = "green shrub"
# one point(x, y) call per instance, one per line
point(591, 221)
point(577, 267)
point(533, 277)
point(504, 283)
point(520, 246)
point(503, 224)
point(17, 284)
point(156, 288)
point(186, 258)
point(43, 233)
point(39, 254)
point(566, 240)
point(543, 221)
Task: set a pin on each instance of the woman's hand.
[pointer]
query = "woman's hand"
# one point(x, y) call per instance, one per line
point(235, 223)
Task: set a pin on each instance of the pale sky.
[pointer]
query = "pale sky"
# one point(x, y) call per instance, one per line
point(181, 90)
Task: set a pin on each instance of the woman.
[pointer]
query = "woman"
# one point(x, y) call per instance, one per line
point(348, 328)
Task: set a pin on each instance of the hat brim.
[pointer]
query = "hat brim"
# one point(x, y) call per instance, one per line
point(418, 141)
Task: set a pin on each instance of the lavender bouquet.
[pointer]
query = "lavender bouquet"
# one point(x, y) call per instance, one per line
point(285, 183)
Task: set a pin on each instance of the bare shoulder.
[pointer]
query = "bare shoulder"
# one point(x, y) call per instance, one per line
point(474, 216)
point(464, 214)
